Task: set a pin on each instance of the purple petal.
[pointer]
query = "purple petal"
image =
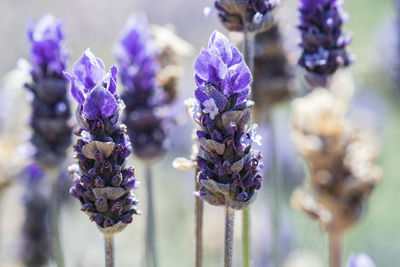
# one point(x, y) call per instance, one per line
point(112, 87)
point(201, 95)
point(209, 67)
point(89, 71)
point(241, 77)
point(75, 91)
point(99, 102)
point(220, 45)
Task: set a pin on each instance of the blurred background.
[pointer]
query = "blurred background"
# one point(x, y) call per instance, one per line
point(96, 24)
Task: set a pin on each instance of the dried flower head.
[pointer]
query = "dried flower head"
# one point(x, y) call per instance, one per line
point(246, 15)
point(272, 72)
point(324, 44)
point(102, 181)
point(144, 97)
point(170, 49)
point(229, 167)
point(50, 119)
point(341, 158)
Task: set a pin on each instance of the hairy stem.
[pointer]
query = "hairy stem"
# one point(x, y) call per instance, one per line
point(54, 218)
point(151, 253)
point(229, 225)
point(198, 209)
point(335, 247)
point(109, 250)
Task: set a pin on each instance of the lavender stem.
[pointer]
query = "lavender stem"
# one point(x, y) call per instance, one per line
point(198, 209)
point(335, 247)
point(151, 254)
point(109, 250)
point(229, 225)
point(248, 50)
point(54, 217)
point(277, 187)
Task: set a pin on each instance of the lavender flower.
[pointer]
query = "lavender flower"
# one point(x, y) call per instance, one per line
point(143, 96)
point(50, 106)
point(324, 44)
point(102, 182)
point(245, 15)
point(229, 168)
point(360, 260)
point(36, 248)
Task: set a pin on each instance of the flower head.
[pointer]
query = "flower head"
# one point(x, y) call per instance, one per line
point(50, 119)
point(48, 50)
point(102, 182)
point(324, 44)
point(93, 88)
point(145, 100)
point(249, 15)
point(229, 167)
point(221, 66)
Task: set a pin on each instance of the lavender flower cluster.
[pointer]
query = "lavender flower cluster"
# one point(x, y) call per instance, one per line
point(50, 106)
point(324, 44)
point(249, 15)
point(102, 181)
point(230, 169)
point(143, 96)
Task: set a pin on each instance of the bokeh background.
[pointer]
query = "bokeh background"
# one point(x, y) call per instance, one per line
point(96, 24)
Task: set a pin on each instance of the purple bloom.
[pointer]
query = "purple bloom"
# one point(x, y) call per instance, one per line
point(50, 105)
point(48, 49)
point(143, 96)
point(360, 260)
point(102, 183)
point(229, 167)
point(249, 15)
point(324, 44)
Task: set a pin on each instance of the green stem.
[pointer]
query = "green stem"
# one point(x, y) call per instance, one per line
point(151, 252)
point(198, 208)
point(229, 225)
point(109, 250)
point(246, 237)
point(54, 218)
point(277, 187)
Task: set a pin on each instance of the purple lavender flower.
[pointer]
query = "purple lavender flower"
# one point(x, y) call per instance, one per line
point(102, 182)
point(36, 248)
point(360, 260)
point(249, 15)
point(229, 167)
point(50, 106)
point(143, 96)
point(324, 44)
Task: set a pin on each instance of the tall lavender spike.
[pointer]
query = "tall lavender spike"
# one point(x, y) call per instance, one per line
point(143, 96)
point(50, 119)
point(229, 169)
point(103, 183)
point(324, 44)
point(245, 15)
point(146, 114)
point(36, 250)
